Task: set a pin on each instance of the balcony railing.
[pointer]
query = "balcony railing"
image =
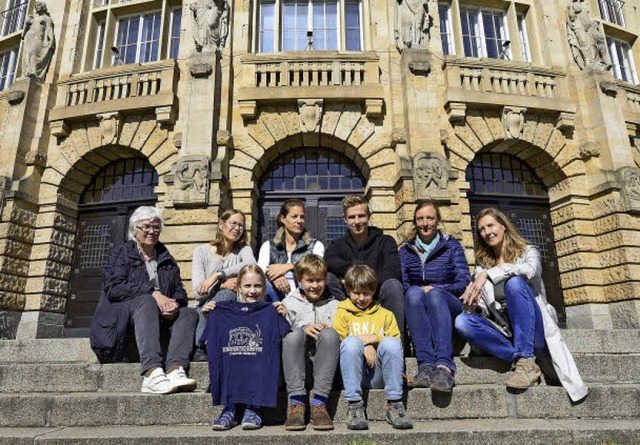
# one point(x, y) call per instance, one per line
point(491, 81)
point(120, 88)
point(611, 11)
point(12, 20)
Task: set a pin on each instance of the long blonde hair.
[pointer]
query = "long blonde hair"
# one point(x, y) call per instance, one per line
point(255, 269)
point(513, 246)
point(218, 239)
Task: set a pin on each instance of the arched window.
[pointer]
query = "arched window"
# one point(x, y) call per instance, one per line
point(319, 176)
point(122, 180)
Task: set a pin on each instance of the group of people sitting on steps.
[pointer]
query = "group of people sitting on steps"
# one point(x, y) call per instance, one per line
point(292, 311)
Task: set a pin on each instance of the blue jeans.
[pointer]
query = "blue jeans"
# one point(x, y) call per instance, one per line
point(526, 324)
point(356, 374)
point(221, 295)
point(430, 320)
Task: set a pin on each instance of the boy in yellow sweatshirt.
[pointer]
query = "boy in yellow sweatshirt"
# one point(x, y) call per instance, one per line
point(371, 351)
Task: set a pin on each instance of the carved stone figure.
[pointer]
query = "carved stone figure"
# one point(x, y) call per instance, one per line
point(513, 122)
point(412, 23)
point(39, 43)
point(210, 23)
point(586, 39)
point(192, 174)
point(431, 176)
point(310, 114)
point(5, 183)
point(630, 177)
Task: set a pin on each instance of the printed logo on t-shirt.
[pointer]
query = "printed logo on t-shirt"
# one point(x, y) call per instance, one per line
point(244, 341)
point(365, 327)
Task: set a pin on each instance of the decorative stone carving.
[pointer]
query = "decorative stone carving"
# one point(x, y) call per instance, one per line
point(5, 183)
point(165, 115)
point(586, 39)
point(60, 129)
point(191, 181)
point(199, 68)
point(431, 176)
point(39, 43)
point(177, 140)
point(412, 23)
point(210, 20)
point(456, 112)
point(248, 109)
point(630, 179)
point(15, 97)
point(566, 122)
point(398, 136)
point(374, 108)
point(609, 88)
point(420, 67)
point(589, 150)
point(310, 114)
point(111, 126)
point(513, 121)
point(224, 138)
point(36, 159)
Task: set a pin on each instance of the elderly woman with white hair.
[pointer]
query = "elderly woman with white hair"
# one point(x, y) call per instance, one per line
point(142, 292)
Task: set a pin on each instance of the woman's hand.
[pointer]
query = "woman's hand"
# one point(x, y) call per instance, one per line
point(370, 355)
point(471, 296)
point(230, 283)
point(208, 283)
point(314, 330)
point(282, 284)
point(275, 271)
point(208, 307)
point(426, 289)
point(168, 306)
point(280, 308)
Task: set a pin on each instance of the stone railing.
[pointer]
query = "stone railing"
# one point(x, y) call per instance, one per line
point(117, 89)
point(308, 74)
point(499, 82)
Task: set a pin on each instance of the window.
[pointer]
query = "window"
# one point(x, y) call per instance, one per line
point(611, 11)
point(446, 29)
point(484, 33)
point(174, 44)
point(8, 67)
point(622, 60)
point(284, 25)
point(138, 38)
point(524, 38)
point(97, 62)
point(12, 19)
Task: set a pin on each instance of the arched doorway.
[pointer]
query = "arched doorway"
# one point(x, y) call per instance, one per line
point(503, 181)
point(319, 176)
point(103, 212)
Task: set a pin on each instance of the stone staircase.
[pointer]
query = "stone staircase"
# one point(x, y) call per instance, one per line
point(54, 392)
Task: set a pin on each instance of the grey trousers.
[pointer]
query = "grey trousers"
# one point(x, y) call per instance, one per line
point(297, 348)
point(221, 295)
point(148, 323)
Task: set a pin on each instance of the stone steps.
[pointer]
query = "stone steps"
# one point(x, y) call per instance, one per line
point(605, 401)
point(124, 377)
point(446, 432)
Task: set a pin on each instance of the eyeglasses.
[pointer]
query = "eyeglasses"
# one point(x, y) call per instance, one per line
point(234, 225)
point(148, 229)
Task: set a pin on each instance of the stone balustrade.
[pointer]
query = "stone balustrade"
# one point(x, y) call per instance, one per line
point(117, 89)
point(309, 74)
point(491, 82)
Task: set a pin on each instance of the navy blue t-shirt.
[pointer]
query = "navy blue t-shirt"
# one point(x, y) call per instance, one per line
point(243, 348)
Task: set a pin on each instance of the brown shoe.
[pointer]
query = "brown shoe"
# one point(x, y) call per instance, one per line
point(526, 374)
point(295, 419)
point(320, 419)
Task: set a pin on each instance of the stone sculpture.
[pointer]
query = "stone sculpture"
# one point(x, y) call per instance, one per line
point(412, 23)
point(210, 24)
point(513, 121)
point(39, 43)
point(587, 41)
point(310, 114)
point(431, 176)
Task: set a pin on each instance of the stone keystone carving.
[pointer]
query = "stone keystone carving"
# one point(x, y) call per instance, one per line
point(39, 43)
point(111, 126)
point(431, 176)
point(210, 20)
point(513, 121)
point(630, 178)
point(412, 24)
point(586, 39)
point(310, 114)
point(191, 181)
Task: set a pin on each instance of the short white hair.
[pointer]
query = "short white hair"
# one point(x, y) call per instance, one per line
point(143, 213)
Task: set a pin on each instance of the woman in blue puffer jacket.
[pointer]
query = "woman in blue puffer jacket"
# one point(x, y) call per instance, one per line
point(435, 274)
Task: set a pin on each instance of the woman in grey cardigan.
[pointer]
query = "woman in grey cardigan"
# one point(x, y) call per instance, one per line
point(215, 266)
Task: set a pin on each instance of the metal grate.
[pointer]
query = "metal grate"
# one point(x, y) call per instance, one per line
point(533, 230)
point(335, 227)
point(123, 180)
point(502, 174)
point(95, 246)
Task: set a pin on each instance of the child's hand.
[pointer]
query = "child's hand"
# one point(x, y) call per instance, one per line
point(370, 356)
point(368, 339)
point(314, 330)
point(208, 307)
point(280, 307)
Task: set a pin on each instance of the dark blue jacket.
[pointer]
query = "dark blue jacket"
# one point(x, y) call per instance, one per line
point(125, 277)
point(446, 267)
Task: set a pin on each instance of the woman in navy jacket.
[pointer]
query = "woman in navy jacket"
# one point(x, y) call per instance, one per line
point(142, 290)
point(435, 274)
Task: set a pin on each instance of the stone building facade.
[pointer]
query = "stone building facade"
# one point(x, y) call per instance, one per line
point(198, 106)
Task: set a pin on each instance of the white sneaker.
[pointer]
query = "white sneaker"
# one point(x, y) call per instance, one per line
point(158, 383)
point(180, 381)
